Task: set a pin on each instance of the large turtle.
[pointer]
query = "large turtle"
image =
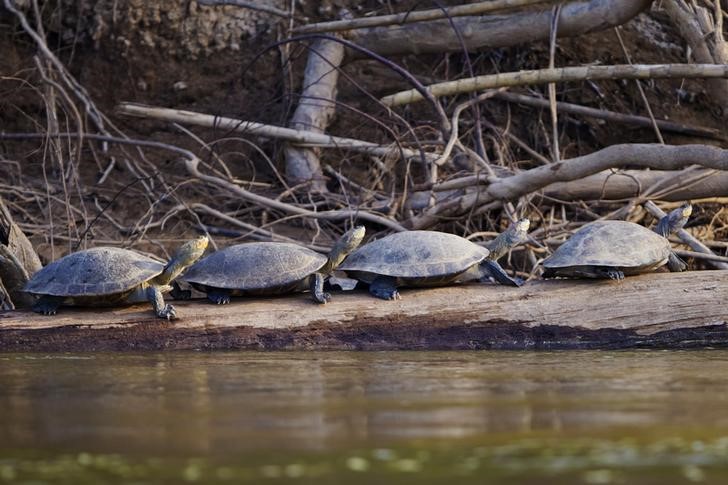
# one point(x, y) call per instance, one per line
point(269, 268)
point(430, 258)
point(106, 276)
point(613, 249)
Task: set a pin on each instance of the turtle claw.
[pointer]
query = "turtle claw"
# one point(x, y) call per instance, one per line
point(219, 298)
point(386, 293)
point(385, 288)
point(322, 298)
point(46, 305)
point(168, 312)
point(615, 275)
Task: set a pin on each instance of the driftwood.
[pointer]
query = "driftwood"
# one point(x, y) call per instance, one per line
point(18, 260)
point(299, 137)
point(609, 185)
point(315, 109)
point(660, 157)
point(491, 31)
point(625, 184)
point(675, 310)
point(415, 16)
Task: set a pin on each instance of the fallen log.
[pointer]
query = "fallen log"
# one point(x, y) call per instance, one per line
point(665, 310)
point(492, 31)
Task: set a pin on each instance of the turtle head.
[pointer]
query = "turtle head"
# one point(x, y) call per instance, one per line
point(517, 233)
point(352, 239)
point(191, 251)
point(675, 220)
point(345, 245)
point(185, 256)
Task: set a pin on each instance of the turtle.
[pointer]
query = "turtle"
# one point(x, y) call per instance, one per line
point(613, 249)
point(430, 258)
point(269, 268)
point(108, 276)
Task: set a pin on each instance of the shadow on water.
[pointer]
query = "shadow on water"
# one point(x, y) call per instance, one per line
point(399, 417)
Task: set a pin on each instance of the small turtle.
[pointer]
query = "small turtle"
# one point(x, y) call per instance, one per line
point(430, 258)
point(612, 249)
point(269, 268)
point(106, 276)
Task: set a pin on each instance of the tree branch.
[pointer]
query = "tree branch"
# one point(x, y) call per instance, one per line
point(300, 137)
point(416, 16)
point(491, 31)
point(663, 157)
point(564, 74)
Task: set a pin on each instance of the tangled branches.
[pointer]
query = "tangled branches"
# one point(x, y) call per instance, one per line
point(74, 174)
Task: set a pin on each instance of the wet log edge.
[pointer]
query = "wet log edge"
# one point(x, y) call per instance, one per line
point(660, 310)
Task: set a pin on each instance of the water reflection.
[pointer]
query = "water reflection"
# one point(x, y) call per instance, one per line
point(198, 403)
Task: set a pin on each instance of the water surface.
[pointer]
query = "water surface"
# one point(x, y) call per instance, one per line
point(370, 417)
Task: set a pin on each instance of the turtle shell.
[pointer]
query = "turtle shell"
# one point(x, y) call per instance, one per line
point(94, 272)
point(255, 266)
point(619, 244)
point(416, 254)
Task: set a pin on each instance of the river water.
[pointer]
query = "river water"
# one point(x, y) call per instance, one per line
point(369, 417)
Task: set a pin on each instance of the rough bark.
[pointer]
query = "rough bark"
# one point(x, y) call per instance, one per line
point(491, 31)
point(675, 310)
point(18, 261)
point(6, 303)
point(624, 184)
point(315, 109)
point(604, 186)
point(660, 157)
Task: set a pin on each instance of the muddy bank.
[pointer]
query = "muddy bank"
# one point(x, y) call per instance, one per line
point(664, 310)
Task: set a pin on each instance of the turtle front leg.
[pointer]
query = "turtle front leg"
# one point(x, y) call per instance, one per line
point(162, 309)
point(47, 304)
point(675, 264)
point(384, 287)
point(491, 269)
point(316, 284)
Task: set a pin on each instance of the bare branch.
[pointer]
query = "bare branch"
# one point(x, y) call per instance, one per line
point(565, 74)
point(300, 137)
